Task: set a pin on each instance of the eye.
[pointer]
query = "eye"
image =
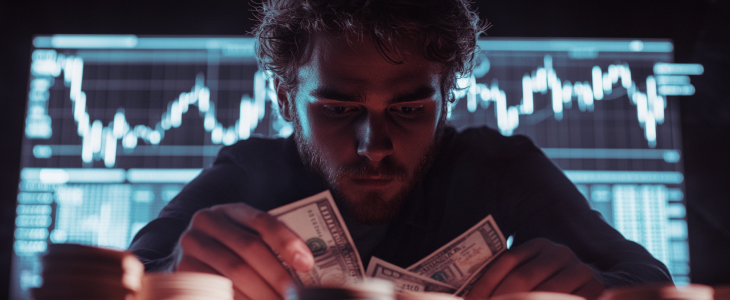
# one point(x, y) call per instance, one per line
point(339, 111)
point(408, 112)
point(407, 109)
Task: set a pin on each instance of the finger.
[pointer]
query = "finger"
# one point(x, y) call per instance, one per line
point(226, 262)
point(568, 279)
point(192, 264)
point(503, 265)
point(246, 245)
point(277, 235)
point(535, 271)
point(591, 290)
point(238, 295)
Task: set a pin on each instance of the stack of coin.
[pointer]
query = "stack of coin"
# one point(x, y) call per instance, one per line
point(426, 296)
point(537, 296)
point(369, 289)
point(72, 271)
point(660, 292)
point(185, 286)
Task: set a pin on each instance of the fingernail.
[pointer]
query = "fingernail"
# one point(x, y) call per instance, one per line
point(302, 262)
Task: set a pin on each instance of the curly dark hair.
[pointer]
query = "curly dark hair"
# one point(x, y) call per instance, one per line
point(446, 32)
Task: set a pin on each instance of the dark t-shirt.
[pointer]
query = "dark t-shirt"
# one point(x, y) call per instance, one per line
point(476, 172)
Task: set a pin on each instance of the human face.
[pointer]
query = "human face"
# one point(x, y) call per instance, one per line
point(367, 125)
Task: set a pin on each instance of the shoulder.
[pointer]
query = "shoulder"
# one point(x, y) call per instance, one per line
point(242, 172)
point(484, 143)
point(260, 155)
point(478, 167)
point(253, 149)
point(265, 172)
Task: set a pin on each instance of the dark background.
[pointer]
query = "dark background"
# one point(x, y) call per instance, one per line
point(699, 28)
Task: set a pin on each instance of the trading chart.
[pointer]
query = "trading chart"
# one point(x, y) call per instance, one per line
point(117, 125)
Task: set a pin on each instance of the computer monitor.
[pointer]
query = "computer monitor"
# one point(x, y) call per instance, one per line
point(117, 125)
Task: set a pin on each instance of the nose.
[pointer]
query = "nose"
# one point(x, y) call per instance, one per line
point(373, 139)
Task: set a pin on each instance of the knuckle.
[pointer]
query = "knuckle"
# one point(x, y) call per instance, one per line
point(201, 218)
point(237, 268)
point(563, 248)
point(262, 220)
point(187, 240)
point(289, 245)
point(247, 241)
point(509, 258)
point(221, 207)
point(563, 253)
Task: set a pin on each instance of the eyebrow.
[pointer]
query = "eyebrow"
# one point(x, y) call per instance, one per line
point(334, 94)
point(421, 92)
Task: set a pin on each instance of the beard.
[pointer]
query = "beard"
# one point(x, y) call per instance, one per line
point(370, 207)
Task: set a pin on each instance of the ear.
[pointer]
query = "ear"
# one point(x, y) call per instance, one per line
point(282, 97)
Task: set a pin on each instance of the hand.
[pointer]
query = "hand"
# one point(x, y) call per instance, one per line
point(236, 241)
point(537, 265)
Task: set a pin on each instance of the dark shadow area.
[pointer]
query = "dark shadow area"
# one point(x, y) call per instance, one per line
point(706, 127)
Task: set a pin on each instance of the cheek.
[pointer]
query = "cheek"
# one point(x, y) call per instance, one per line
point(330, 137)
point(413, 139)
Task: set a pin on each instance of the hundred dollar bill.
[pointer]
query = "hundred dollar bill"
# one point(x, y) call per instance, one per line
point(317, 221)
point(464, 289)
point(459, 261)
point(403, 280)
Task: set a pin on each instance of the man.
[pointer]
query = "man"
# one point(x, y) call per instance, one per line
point(366, 84)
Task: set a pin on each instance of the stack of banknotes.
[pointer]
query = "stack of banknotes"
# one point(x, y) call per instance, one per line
point(452, 269)
point(185, 286)
point(72, 271)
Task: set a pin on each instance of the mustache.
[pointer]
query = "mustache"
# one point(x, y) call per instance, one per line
point(386, 169)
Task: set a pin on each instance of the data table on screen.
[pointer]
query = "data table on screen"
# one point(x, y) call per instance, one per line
point(117, 125)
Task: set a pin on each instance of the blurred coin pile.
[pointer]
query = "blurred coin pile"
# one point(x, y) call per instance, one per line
point(79, 272)
point(660, 292)
point(72, 271)
point(185, 286)
point(368, 289)
point(537, 296)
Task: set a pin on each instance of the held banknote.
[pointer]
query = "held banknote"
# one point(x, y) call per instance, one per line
point(461, 260)
point(317, 221)
point(403, 280)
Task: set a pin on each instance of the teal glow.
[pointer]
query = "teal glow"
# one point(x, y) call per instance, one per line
point(624, 177)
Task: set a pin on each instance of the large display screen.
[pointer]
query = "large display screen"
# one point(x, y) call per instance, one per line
point(117, 125)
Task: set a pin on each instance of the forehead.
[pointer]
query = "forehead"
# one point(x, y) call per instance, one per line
point(358, 63)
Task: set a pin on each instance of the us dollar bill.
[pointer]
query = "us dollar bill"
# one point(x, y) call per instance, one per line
point(466, 288)
point(404, 280)
point(459, 262)
point(318, 222)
